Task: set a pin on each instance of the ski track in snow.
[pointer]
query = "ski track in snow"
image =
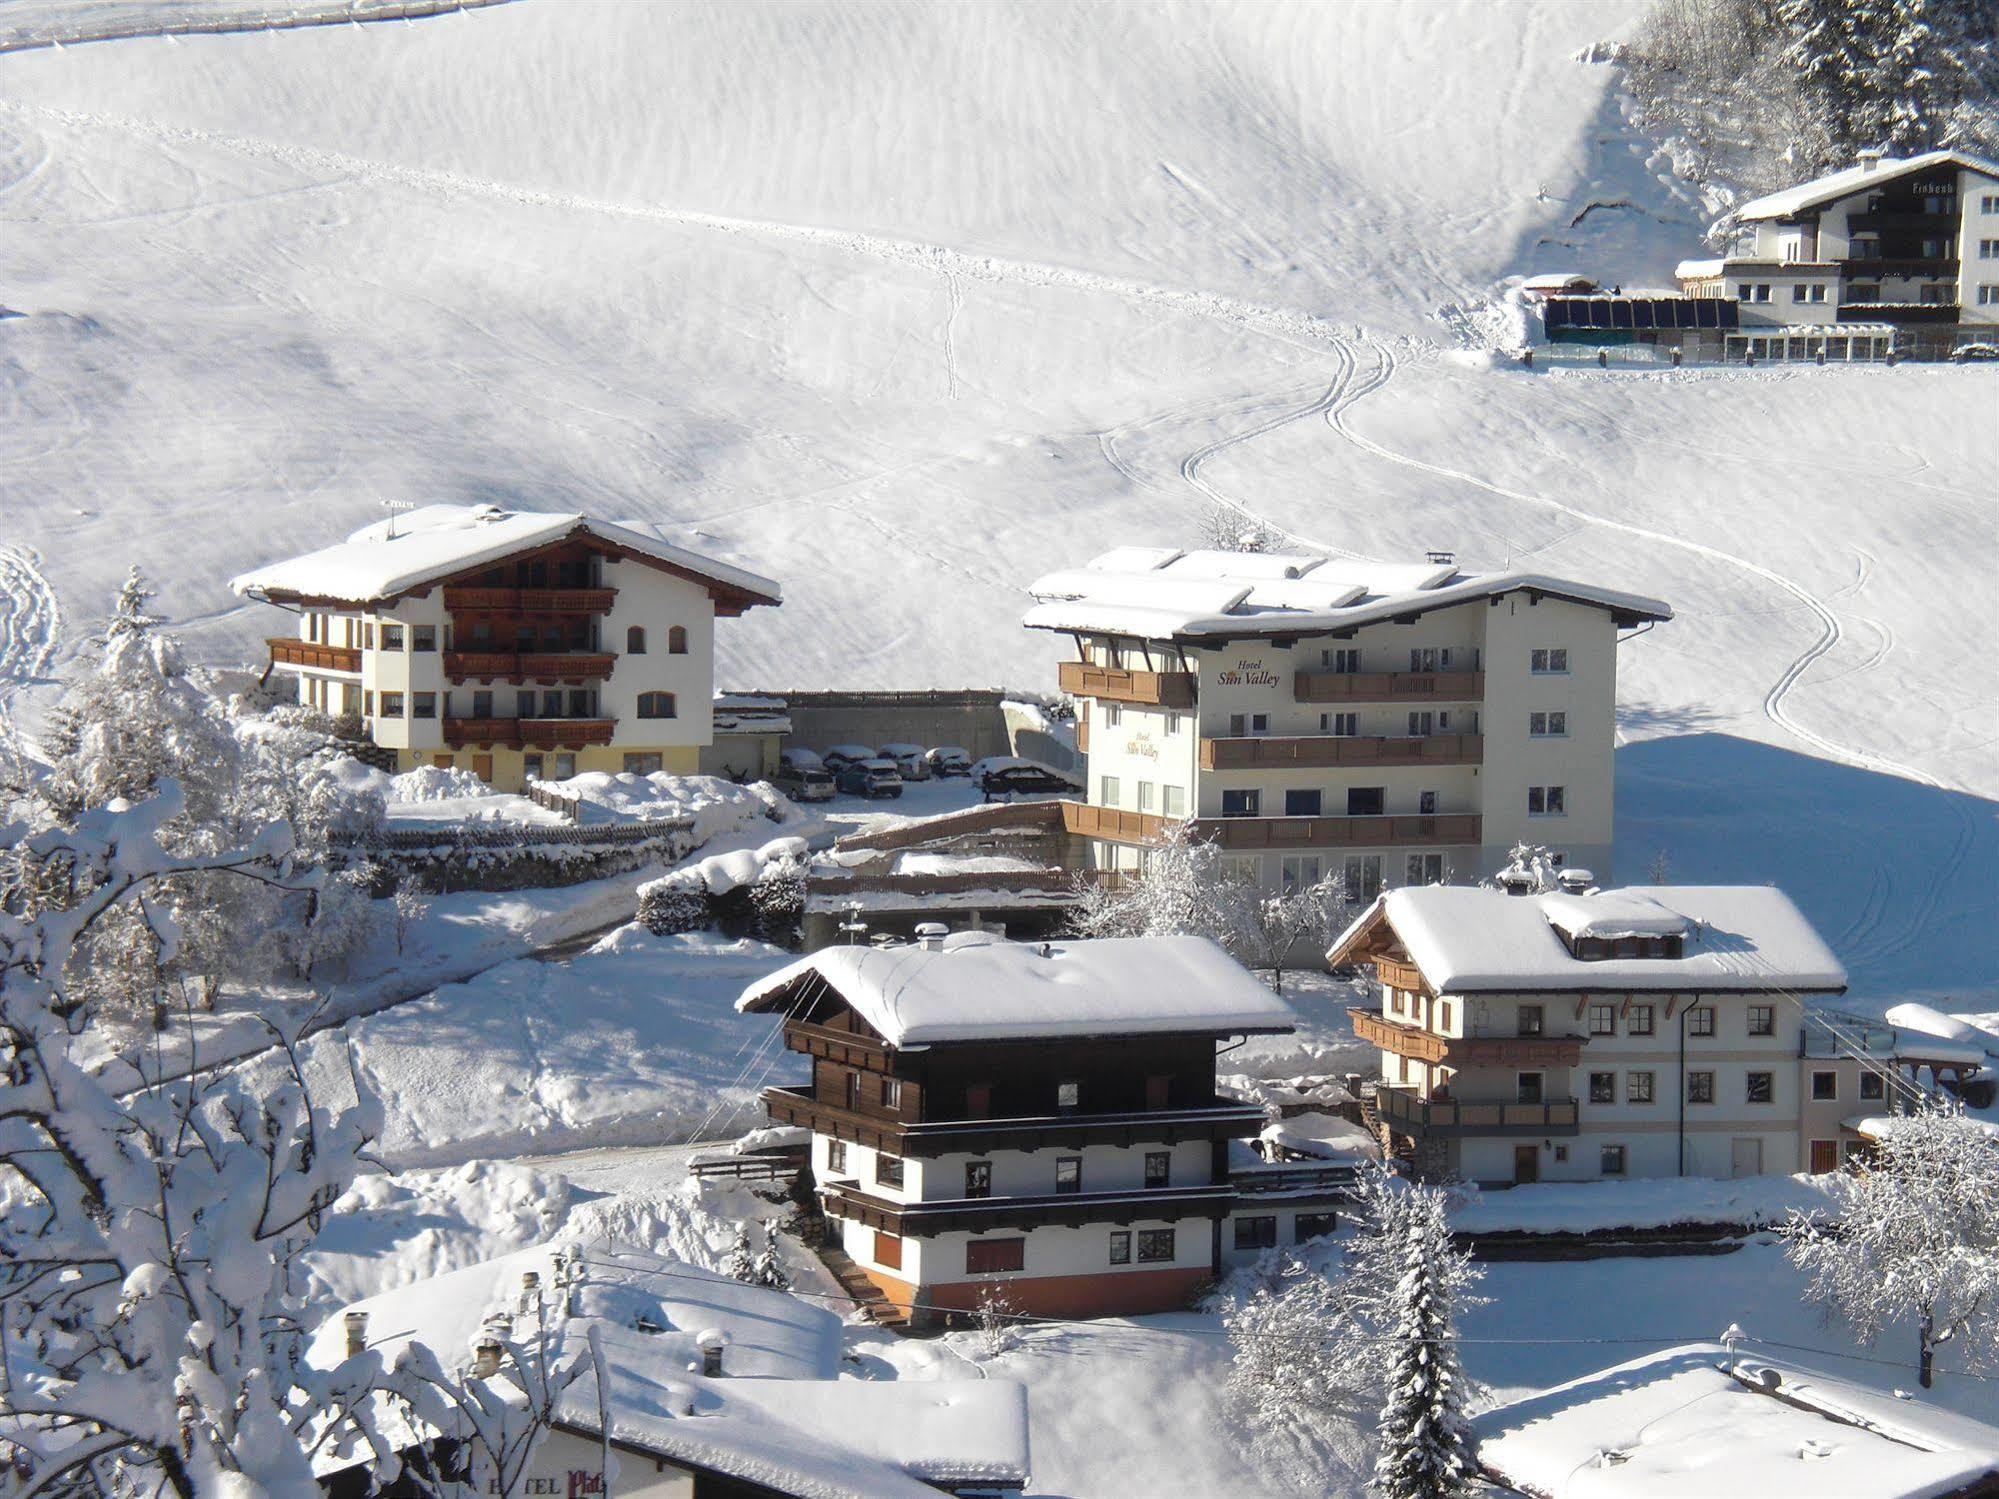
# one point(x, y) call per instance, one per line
point(1288, 324)
point(1863, 943)
point(30, 626)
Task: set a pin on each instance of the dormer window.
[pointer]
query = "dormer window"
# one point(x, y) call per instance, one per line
point(1593, 949)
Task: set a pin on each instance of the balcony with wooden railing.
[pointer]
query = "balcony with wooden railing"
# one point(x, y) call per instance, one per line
point(1404, 1111)
point(1247, 834)
point(288, 650)
point(530, 600)
point(1389, 686)
point(1325, 751)
point(547, 667)
point(1394, 973)
point(1087, 820)
point(1159, 689)
point(1376, 1029)
point(528, 733)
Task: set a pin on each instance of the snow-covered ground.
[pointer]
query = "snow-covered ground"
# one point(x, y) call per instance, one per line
point(904, 305)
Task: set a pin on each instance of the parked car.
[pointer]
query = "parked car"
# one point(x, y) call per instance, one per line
point(840, 756)
point(909, 762)
point(804, 783)
point(949, 760)
point(1974, 353)
point(870, 778)
point(1004, 775)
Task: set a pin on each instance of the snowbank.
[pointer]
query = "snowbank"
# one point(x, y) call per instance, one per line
point(436, 783)
point(1586, 1207)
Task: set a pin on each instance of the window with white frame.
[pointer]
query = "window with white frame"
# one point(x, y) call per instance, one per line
point(1637, 1087)
point(1300, 872)
point(1172, 725)
point(1113, 714)
point(1342, 659)
point(1145, 790)
point(1342, 725)
point(1988, 295)
point(1425, 869)
point(1173, 801)
point(1547, 801)
point(1549, 661)
point(1988, 249)
point(1989, 203)
point(1108, 790)
point(1548, 725)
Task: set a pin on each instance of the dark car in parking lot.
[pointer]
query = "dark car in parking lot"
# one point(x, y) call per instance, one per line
point(1003, 775)
point(869, 778)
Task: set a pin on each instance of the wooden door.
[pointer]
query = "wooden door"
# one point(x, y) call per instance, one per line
point(482, 767)
point(1526, 1164)
point(1825, 1156)
point(442, 762)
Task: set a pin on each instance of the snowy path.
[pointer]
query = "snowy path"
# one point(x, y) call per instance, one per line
point(30, 626)
point(27, 36)
point(1863, 942)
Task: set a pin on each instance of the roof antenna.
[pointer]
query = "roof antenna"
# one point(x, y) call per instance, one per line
point(393, 506)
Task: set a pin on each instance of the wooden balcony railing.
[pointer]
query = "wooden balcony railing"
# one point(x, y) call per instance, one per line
point(288, 650)
point(1415, 1116)
point(530, 600)
point(539, 666)
point(1250, 833)
point(1396, 974)
point(1319, 751)
point(1089, 821)
point(1376, 1029)
point(1161, 689)
point(523, 733)
point(1389, 686)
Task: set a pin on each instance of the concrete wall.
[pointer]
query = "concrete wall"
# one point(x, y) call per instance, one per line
point(1975, 225)
point(971, 719)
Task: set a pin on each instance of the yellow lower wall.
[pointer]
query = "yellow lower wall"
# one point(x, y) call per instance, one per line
point(509, 765)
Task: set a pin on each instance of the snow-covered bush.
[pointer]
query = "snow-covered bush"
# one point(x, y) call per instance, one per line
point(1915, 1235)
point(998, 1318)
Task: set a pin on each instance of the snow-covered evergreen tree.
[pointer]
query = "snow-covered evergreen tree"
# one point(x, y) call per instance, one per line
point(1426, 1442)
point(742, 1261)
point(1915, 1235)
point(769, 1269)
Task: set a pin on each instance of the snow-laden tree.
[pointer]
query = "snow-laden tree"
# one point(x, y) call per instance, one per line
point(742, 1261)
point(1271, 929)
point(1426, 1442)
point(1323, 1358)
point(1914, 1235)
point(1182, 891)
point(998, 1317)
point(769, 1270)
point(137, 719)
point(149, 1337)
point(1529, 867)
point(1227, 527)
point(410, 906)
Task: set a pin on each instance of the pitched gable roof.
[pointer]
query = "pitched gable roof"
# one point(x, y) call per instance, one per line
point(393, 557)
point(1836, 185)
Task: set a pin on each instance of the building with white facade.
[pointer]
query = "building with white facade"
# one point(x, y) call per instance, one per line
point(1038, 1115)
point(1392, 723)
point(1580, 1034)
point(1890, 252)
point(518, 645)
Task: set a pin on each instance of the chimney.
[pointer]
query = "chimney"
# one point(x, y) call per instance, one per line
point(711, 1342)
point(1441, 558)
point(1869, 158)
point(530, 1290)
point(1576, 881)
point(357, 1332)
point(930, 935)
point(486, 1352)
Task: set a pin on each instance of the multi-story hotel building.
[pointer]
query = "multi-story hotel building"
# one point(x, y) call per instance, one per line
point(518, 645)
point(1579, 1034)
point(1038, 1114)
point(1901, 252)
point(1395, 724)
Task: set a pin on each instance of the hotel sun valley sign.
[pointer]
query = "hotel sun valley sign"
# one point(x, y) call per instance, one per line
point(1247, 674)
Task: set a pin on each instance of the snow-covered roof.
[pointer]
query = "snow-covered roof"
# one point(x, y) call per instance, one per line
point(778, 1415)
point(977, 986)
point(1325, 1135)
point(1557, 281)
point(1160, 594)
point(1473, 939)
point(1923, 1021)
point(1697, 270)
point(1857, 178)
point(1678, 1422)
point(391, 557)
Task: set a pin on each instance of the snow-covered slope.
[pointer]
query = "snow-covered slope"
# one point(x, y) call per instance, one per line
point(905, 304)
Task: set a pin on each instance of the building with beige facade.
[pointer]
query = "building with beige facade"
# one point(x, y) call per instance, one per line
point(1393, 724)
point(1580, 1034)
point(518, 645)
point(1891, 253)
